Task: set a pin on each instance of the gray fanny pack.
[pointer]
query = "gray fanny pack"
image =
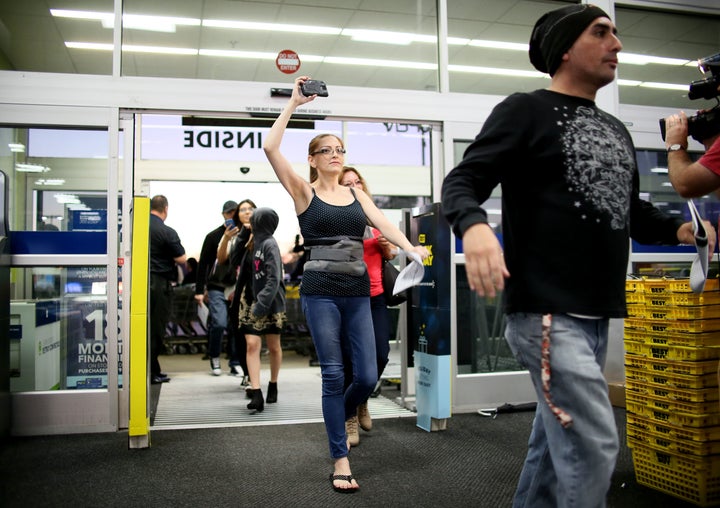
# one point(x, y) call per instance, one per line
point(344, 256)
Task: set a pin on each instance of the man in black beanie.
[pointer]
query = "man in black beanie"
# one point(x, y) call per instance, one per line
point(571, 204)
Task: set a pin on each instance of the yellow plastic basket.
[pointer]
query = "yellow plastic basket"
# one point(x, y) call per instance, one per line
point(673, 380)
point(674, 394)
point(682, 312)
point(639, 407)
point(668, 325)
point(687, 339)
point(667, 404)
point(676, 432)
point(671, 366)
point(694, 479)
point(671, 352)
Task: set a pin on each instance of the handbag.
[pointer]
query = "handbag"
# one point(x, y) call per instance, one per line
point(389, 274)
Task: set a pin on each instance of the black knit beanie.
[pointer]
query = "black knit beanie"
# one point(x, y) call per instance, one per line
point(555, 33)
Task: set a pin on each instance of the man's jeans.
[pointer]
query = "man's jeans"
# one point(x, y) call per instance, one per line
point(566, 467)
point(329, 319)
point(217, 322)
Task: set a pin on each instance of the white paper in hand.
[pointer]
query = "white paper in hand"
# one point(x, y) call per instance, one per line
point(411, 275)
point(203, 313)
point(699, 270)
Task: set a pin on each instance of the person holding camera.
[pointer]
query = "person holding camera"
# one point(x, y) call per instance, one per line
point(213, 280)
point(335, 288)
point(691, 179)
point(570, 204)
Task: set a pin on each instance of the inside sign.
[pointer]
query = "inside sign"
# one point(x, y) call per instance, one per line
point(288, 61)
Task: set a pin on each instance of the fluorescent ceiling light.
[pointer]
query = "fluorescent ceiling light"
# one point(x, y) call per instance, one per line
point(161, 50)
point(31, 168)
point(89, 45)
point(457, 41)
point(515, 46)
point(168, 24)
point(637, 59)
point(153, 23)
point(386, 37)
point(16, 147)
point(379, 63)
point(497, 71)
point(660, 171)
point(272, 27)
point(67, 199)
point(130, 48)
point(91, 15)
point(130, 21)
point(50, 181)
point(664, 86)
point(398, 64)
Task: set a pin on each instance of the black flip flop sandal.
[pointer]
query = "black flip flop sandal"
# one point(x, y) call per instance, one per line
point(344, 477)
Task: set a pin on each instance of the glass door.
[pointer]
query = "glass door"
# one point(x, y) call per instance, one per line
point(62, 214)
point(485, 373)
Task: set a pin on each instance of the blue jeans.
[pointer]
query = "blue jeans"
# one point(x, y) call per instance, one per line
point(381, 329)
point(332, 320)
point(218, 320)
point(566, 467)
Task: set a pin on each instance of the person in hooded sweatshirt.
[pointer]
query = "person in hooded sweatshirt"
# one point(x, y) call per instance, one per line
point(265, 315)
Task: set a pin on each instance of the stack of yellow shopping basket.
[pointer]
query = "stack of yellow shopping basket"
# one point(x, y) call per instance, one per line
point(672, 347)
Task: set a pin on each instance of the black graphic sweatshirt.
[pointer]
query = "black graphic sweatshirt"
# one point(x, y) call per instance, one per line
point(570, 202)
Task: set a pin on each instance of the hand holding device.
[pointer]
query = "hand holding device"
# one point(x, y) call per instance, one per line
point(314, 87)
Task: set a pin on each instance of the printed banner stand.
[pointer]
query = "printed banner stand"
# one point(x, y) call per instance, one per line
point(432, 375)
point(429, 320)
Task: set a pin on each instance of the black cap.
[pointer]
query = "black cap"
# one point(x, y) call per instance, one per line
point(229, 206)
point(555, 33)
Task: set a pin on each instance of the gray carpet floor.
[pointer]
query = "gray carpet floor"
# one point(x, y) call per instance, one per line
point(474, 463)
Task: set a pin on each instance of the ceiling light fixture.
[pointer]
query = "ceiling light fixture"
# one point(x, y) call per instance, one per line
point(16, 147)
point(50, 181)
point(153, 23)
point(271, 27)
point(496, 71)
point(637, 59)
point(386, 37)
point(373, 62)
point(166, 24)
point(664, 86)
point(515, 46)
point(67, 199)
point(31, 168)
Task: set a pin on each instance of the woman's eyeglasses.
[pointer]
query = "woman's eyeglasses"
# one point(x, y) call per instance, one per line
point(356, 183)
point(326, 150)
point(245, 209)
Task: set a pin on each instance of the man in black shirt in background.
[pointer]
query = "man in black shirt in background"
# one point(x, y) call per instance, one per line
point(166, 252)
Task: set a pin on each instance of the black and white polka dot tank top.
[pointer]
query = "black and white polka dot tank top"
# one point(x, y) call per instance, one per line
point(323, 220)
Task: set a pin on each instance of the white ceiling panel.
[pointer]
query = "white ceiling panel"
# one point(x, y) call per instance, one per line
point(33, 40)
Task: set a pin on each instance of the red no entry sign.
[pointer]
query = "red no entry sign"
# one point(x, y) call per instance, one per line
point(287, 61)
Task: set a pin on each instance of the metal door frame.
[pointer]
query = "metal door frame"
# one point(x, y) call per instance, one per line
point(75, 411)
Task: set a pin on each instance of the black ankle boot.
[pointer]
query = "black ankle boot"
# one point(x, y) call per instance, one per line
point(257, 403)
point(272, 393)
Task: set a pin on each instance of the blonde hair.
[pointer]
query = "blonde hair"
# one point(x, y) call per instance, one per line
point(348, 169)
